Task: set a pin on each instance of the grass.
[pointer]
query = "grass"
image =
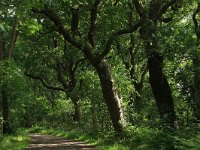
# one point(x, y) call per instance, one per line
point(96, 139)
point(137, 138)
point(140, 138)
point(17, 141)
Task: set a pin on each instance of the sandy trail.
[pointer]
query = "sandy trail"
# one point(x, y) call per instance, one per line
point(48, 142)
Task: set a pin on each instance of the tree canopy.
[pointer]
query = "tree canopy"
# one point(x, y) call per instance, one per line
point(112, 66)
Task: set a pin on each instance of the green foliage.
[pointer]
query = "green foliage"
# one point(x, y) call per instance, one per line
point(138, 138)
point(40, 47)
point(17, 141)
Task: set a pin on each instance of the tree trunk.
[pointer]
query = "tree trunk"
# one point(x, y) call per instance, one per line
point(5, 110)
point(107, 85)
point(158, 81)
point(196, 61)
point(4, 93)
point(161, 89)
point(110, 95)
point(196, 88)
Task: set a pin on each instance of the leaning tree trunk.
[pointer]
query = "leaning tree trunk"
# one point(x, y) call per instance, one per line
point(110, 95)
point(161, 89)
point(158, 81)
point(107, 84)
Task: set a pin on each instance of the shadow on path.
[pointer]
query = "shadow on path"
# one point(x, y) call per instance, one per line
point(48, 142)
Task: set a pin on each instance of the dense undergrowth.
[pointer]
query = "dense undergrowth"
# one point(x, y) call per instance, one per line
point(142, 138)
point(16, 141)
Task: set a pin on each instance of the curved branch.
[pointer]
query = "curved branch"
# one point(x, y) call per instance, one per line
point(58, 23)
point(77, 63)
point(71, 69)
point(43, 82)
point(84, 46)
point(61, 78)
point(114, 35)
point(167, 5)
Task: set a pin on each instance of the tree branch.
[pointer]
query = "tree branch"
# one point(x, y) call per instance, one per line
point(61, 78)
point(84, 46)
point(43, 82)
point(77, 63)
point(93, 22)
point(58, 23)
point(139, 8)
point(167, 5)
point(114, 35)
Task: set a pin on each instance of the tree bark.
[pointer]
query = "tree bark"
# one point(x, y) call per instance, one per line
point(4, 92)
point(98, 62)
point(110, 95)
point(161, 89)
point(196, 70)
point(196, 88)
point(158, 81)
point(4, 96)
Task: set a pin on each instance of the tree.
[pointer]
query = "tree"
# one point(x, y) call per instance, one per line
point(196, 70)
point(58, 70)
point(88, 47)
point(6, 54)
point(157, 79)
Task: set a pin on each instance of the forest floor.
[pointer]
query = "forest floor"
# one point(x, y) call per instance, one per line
point(49, 142)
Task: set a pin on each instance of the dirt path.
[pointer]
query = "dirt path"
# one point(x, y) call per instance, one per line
point(48, 142)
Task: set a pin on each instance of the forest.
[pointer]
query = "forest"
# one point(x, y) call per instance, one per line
point(117, 74)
